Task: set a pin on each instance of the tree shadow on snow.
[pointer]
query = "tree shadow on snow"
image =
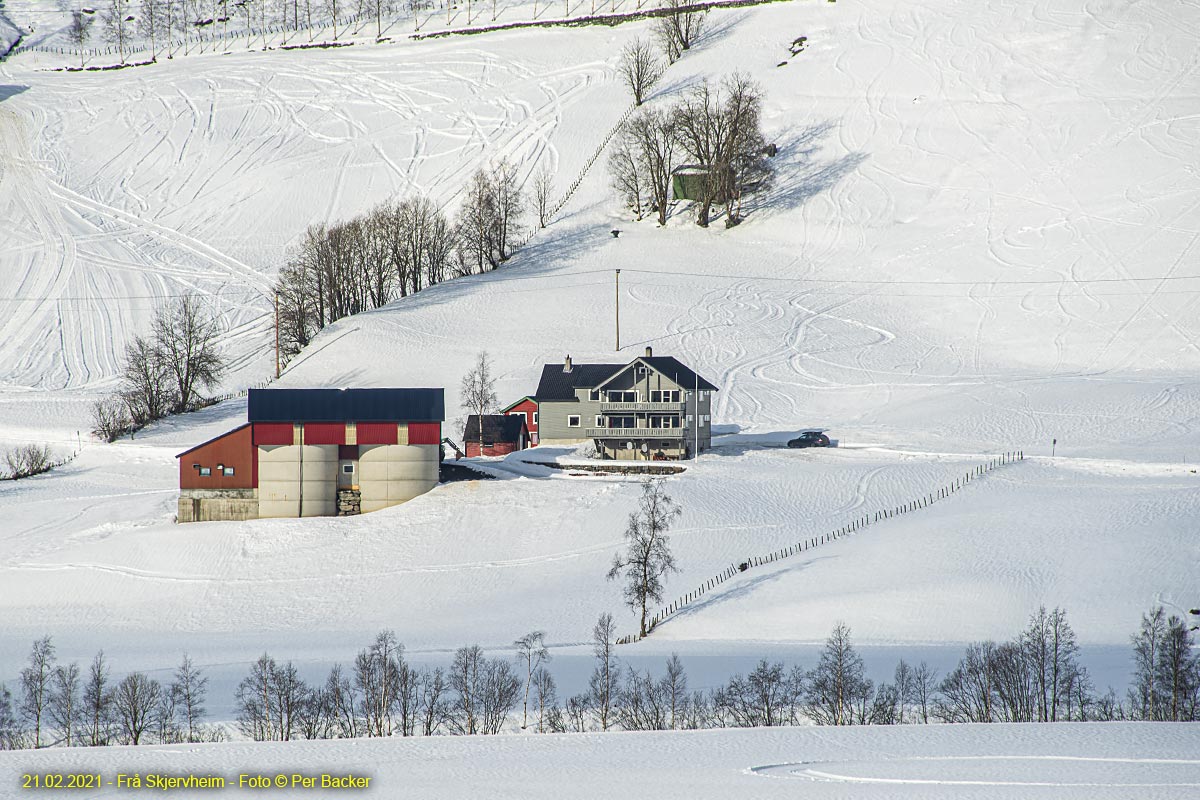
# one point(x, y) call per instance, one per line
point(716, 597)
point(800, 173)
point(11, 90)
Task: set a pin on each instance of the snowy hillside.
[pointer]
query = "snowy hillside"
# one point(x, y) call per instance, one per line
point(1000, 762)
point(981, 237)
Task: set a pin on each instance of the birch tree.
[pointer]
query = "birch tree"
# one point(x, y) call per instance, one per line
point(479, 389)
point(648, 557)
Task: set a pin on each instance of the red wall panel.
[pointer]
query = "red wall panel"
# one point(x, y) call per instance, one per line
point(324, 433)
point(233, 451)
point(424, 433)
point(376, 433)
point(273, 433)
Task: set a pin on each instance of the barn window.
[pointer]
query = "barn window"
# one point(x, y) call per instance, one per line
point(573, 421)
point(229, 472)
point(347, 469)
point(205, 472)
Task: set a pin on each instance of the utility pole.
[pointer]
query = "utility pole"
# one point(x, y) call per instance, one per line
point(696, 402)
point(277, 335)
point(618, 311)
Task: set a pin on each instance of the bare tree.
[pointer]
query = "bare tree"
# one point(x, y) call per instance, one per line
point(1049, 646)
point(64, 705)
point(334, 8)
point(546, 700)
point(134, 703)
point(11, 735)
point(837, 684)
point(27, 460)
point(543, 186)
point(639, 69)
point(678, 30)
point(720, 129)
point(675, 685)
point(146, 386)
point(1145, 696)
point(79, 31)
point(340, 705)
point(36, 687)
point(97, 704)
point(648, 557)
point(486, 689)
point(652, 135)
point(1178, 671)
point(152, 23)
point(625, 170)
point(118, 29)
point(479, 389)
point(379, 672)
point(186, 338)
point(603, 686)
point(190, 689)
point(767, 697)
point(110, 418)
point(433, 708)
point(531, 655)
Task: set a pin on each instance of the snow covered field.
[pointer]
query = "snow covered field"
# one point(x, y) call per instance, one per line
point(982, 237)
point(1072, 761)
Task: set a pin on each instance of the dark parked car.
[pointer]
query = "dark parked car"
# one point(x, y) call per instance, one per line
point(810, 439)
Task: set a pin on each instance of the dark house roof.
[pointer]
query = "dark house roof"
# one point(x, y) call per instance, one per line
point(496, 428)
point(346, 405)
point(558, 385)
point(676, 371)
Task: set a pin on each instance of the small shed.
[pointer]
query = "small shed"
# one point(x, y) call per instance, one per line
point(689, 182)
point(502, 434)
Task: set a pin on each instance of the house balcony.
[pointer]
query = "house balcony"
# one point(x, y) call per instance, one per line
point(635, 433)
point(660, 408)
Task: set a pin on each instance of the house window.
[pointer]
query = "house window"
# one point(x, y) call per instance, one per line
point(205, 472)
point(594, 395)
point(622, 397)
point(573, 421)
point(639, 371)
point(664, 396)
point(600, 421)
point(228, 472)
point(535, 418)
point(689, 419)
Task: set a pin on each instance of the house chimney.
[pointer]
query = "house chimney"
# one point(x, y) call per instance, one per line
point(567, 364)
point(649, 352)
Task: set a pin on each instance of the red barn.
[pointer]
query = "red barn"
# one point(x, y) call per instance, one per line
point(316, 452)
point(502, 434)
point(526, 407)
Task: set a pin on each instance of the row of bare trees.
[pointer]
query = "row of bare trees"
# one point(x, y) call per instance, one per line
point(397, 249)
point(1034, 678)
point(715, 130)
point(167, 24)
point(165, 372)
point(61, 705)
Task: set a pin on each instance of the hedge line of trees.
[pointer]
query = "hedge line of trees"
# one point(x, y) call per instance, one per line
point(1036, 677)
point(397, 249)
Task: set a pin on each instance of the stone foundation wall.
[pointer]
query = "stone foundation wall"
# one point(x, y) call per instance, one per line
point(349, 502)
point(213, 505)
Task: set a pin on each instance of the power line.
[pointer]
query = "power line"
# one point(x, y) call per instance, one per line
point(859, 281)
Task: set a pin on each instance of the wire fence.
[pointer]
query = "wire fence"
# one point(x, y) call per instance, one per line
point(733, 570)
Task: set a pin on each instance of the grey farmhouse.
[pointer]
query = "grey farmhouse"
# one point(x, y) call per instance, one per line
point(652, 408)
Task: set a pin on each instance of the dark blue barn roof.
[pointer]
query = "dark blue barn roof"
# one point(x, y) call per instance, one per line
point(346, 405)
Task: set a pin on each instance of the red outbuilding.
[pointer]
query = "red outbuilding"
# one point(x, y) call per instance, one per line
point(502, 434)
point(526, 407)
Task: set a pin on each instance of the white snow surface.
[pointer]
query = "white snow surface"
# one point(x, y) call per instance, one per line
point(1065, 761)
point(947, 172)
